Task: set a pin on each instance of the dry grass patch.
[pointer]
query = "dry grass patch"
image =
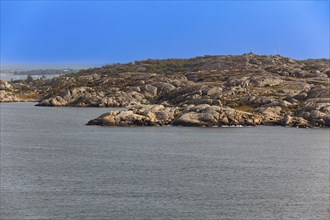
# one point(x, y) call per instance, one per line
point(30, 96)
point(245, 108)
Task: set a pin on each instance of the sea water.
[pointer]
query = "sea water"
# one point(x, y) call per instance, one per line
point(53, 166)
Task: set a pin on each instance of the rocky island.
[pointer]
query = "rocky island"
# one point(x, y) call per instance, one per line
point(240, 90)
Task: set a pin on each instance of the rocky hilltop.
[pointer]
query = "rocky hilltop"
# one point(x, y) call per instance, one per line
point(248, 89)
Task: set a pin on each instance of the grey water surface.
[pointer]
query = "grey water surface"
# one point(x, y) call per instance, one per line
point(53, 166)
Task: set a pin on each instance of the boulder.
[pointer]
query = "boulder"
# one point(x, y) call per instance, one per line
point(265, 81)
point(291, 121)
point(57, 101)
point(7, 96)
point(271, 115)
point(206, 115)
point(142, 115)
point(4, 85)
point(149, 91)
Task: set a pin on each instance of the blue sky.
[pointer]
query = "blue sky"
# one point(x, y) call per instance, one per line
point(82, 32)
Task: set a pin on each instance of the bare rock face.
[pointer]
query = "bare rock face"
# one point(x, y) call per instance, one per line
point(55, 101)
point(18, 92)
point(247, 89)
point(163, 87)
point(8, 96)
point(6, 86)
point(149, 91)
point(120, 118)
point(206, 115)
point(214, 91)
point(265, 81)
point(144, 115)
point(200, 115)
point(7, 92)
point(88, 97)
point(271, 115)
point(290, 121)
point(301, 96)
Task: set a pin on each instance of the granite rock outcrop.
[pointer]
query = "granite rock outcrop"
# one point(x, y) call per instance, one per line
point(247, 89)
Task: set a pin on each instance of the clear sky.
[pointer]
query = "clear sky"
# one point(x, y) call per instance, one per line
point(100, 32)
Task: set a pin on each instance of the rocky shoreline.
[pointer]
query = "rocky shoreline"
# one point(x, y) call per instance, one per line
point(207, 91)
point(203, 115)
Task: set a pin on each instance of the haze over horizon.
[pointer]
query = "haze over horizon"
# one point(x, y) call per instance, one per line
point(90, 34)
